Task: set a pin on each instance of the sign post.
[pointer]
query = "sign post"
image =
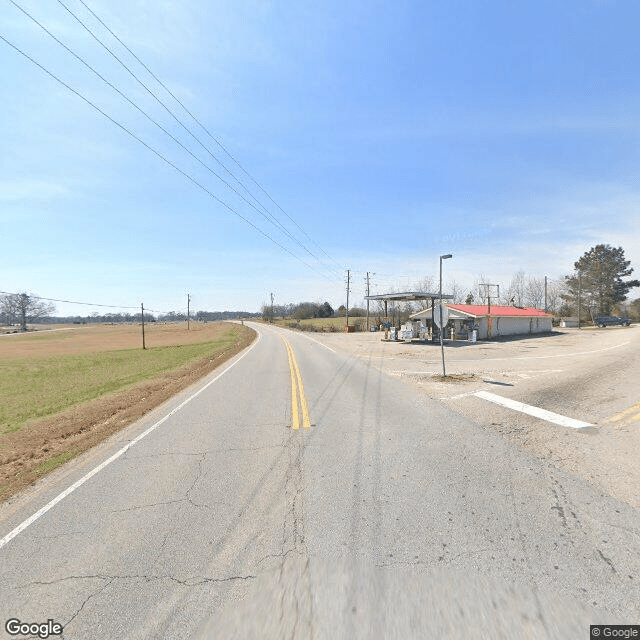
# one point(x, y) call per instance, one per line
point(441, 315)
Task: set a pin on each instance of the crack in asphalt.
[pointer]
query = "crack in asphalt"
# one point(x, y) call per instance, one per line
point(523, 545)
point(189, 582)
point(562, 501)
point(201, 453)
point(148, 506)
point(201, 474)
point(86, 600)
point(607, 560)
point(294, 545)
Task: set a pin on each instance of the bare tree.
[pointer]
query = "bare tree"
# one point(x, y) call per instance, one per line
point(516, 291)
point(555, 289)
point(267, 312)
point(456, 290)
point(8, 309)
point(25, 307)
point(534, 292)
point(425, 285)
point(478, 286)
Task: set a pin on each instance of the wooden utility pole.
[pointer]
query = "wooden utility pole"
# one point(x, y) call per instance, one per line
point(545, 294)
point(272, 307)
point(579, 298)
point(348, 282)
point(367, 301)
point(188, 305)
point(144, 346)
point(488, 290)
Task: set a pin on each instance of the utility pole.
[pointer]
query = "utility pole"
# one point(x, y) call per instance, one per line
point(144, 346)
point(444, 371)
point(188, 319)
point(348, 282)
point(579, 298)
point(488, 290)
point(545, 294)
point(272, 307)
point(367, 279)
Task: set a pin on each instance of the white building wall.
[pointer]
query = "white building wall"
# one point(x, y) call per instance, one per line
point(513, 326)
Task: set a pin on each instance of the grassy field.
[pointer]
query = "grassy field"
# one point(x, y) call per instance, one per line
point(322, 324)
point(63, 391)
point(35, 387)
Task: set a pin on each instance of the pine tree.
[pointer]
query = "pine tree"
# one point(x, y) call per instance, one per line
point(599, 280)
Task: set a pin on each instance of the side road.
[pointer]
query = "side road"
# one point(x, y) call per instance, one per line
point(587, 375)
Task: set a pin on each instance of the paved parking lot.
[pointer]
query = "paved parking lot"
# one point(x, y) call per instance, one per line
point(588, 376)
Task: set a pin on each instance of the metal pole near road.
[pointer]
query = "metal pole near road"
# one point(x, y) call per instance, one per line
point(579, 299)
point(444, 372)
point(367, 300)
point(144, 346)
point(368, 274)
point(347, 314)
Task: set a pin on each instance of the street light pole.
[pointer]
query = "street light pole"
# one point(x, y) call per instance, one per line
point(444, 372)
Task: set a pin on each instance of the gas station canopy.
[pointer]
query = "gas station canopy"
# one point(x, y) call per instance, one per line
point(408, 296)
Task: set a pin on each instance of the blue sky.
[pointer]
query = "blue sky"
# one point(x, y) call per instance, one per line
point(391, 132)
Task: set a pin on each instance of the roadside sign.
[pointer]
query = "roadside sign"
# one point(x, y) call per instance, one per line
point(445, 315)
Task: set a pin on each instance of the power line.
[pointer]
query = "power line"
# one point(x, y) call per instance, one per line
point(268, 216)
point(87, 304)
point(159, 155)
point(146, 115)
point(197, 121)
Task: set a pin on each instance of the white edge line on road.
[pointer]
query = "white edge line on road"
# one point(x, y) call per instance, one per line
point(307, 337)
point(320, 343)
point(543, 414)
point(460, 395)
point(20, 528)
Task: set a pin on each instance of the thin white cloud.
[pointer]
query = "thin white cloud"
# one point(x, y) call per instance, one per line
point(32, 190)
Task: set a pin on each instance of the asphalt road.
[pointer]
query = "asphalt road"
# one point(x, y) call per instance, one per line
point(389, 516)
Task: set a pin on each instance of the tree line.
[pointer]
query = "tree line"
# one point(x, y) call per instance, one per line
point(308, 310)
point(21, 309)
point(599, 285)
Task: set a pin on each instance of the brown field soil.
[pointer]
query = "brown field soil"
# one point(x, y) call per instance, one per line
point(50, 340)
point(44, 443)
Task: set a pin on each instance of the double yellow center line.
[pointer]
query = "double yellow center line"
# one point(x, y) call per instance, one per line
point(625, 414)
point(297, 392)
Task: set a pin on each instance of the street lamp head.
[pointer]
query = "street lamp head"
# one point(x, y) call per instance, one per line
point(449, 255)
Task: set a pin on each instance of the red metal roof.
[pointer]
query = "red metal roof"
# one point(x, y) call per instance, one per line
point(481, 310)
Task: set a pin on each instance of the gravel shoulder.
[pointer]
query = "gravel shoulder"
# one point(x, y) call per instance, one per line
point(589, 374)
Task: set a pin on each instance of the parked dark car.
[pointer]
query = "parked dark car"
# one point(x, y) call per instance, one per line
point(605, 321)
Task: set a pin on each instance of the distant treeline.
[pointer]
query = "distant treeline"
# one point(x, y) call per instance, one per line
point(307, 310)
point(172, 316)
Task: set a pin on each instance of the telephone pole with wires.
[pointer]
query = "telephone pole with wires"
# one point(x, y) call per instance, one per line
point(368, 283)
point(144, 346)
point(188, 319)
point(272, 307)
point(347, 311)
point(488, 293)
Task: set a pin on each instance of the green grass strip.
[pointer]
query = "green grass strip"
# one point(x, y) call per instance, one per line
point(52, 463)
point(35, 388)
